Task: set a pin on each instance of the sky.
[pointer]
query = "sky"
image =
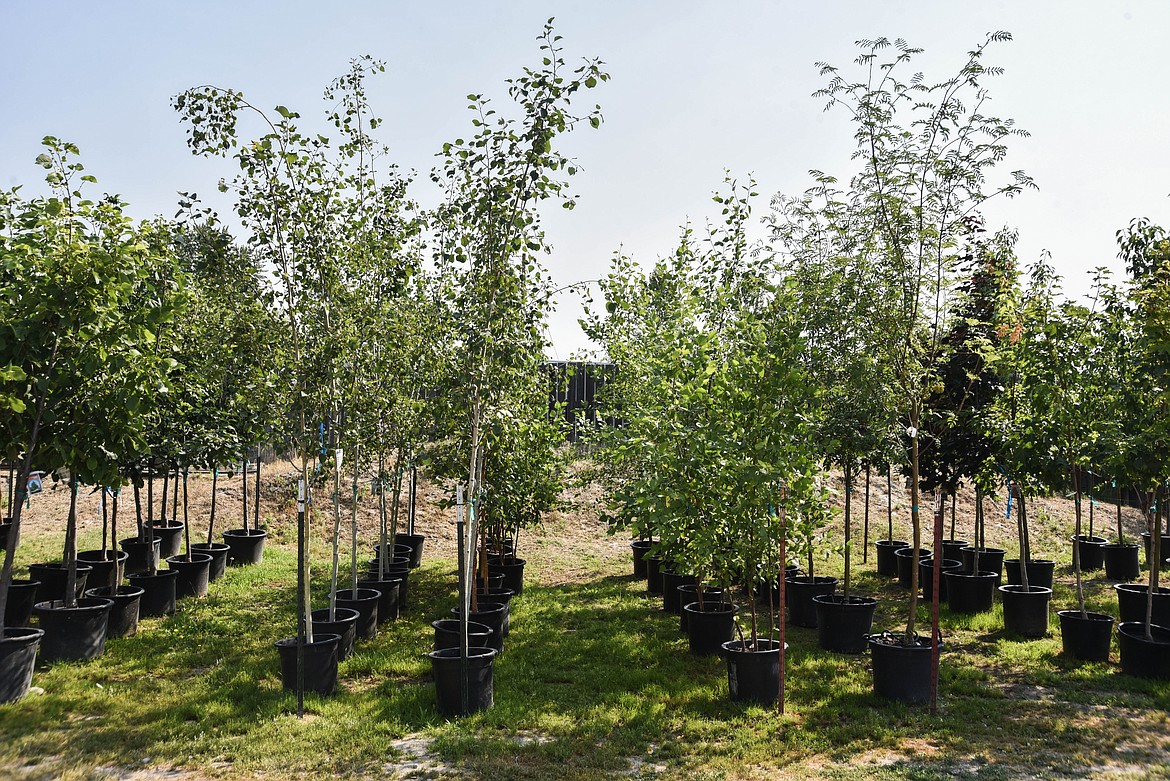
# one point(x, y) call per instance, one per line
point(696, 89)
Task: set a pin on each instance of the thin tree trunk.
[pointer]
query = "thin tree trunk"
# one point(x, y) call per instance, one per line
point(848, 524)
point(162, 517)
point(256, 493)
point(1080, 588)
point(71, 546)
point(105, 525)
point(211, 522)
point(865, 526)
point(114, 535)
point(889, 502)
point(186, 515)
point(244, 484)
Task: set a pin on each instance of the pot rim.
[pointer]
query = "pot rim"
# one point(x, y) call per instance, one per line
point(1089, 616)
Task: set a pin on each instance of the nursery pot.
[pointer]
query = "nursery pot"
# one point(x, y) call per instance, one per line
point(102, 572)
point(1141, 657)
point(753, 675)
point(447, 634)
point(900, 672)
point(926, 577)
point(194, 574)
point(399, 572)
point(800, 591)
point(1025, 611)
point(389, 590)
point(1131, 603)
point(320, 663)
point(53, 577)
point(139, 555)
point(72, 633)
point(1039, 572)
point(22, 595)
point(160, 593)
point(170, 537)
point(219, 556)
point(123, 618)
point(905, 559)
point(671, 602)
point(1092, 550)
point(399, 551)
point(968, 593)
point(246, 546)
point(887, 565)
point(953, 549)
point(708, 629)
point(491, 615)
point(18, 655)
point(344, 625)
point(513, 572)
point(790, 572)
point(415, 542)
point(5, 529)
point(365, 602)
point(640, 549)
point(843, 625)
point(1148, 538)
point(1121, 561)
point(453, 675)
point(653, 573)
point(503, 595)
point(990, 560)
point(688, 593)
point(1086, 637)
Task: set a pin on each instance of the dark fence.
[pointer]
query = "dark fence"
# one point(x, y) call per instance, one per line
point(574, 390)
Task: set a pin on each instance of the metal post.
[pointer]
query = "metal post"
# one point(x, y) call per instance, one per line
point(301, 606)
point(936, 575)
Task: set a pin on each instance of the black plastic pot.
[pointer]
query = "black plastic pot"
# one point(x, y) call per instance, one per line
point(194, 574)
point(400, 552)
point(491, 615)
point(159, 594)
point(1040, 572)
point(123, 618)
point(447, 634)
point(990, 560)
point(53, 578)
point(247, 546)
point(1131, 603)
point(953, 549)
point(365, 602)
point(389, 600)
point(513, 572)
point(790, 572)
point(22, 595)
point(139, 555)
point(170, 537)
point(900, 672)
point(887, 565)
point(968, 593)
point(102, 572)
point(1092, 551)
point(843, 625)
point(320, 663)
point(72, 633)
point(18, 655)
point(708, 629)
point(218, 552)
point(1121, 561)
point(1086, 637)
point(689, 593)
point(5, 529)
point(926, 577)
point(671, 598)
point(799, 593)
point(653, 574)
point(1148, 538)
point(504, 596)
point(640, 548)
point(905, 562)
point(344, 625)
point(450, 672)
point(1141, 657)
point(415, 542)
point(1025, 612)
point(753, 675)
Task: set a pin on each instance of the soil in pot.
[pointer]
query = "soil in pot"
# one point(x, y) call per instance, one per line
point(513, 572)
point(389, 600)
point(22, 595)
point(491, 615)
point(1121, 562)
point(18, 655)
point(53, 577)
point(102, 566)
point(246, 546)
point(1092, 551)
point(72, 633)
point(887, 565)
point(1086, 637)
point(158, 598)
point(139, 555)
point(900, 672)
point(170, 537)
point(415, 542)
point(1131, 603)
point(843, 625)
point(653, 574)
point(1025, 611)
point(905, 562)
point(968, 593)
point(1144, 658)
point(689, 593)
point(447, 634)
point(800, 592)
point(123, 617)
point(344, 625)
point(753, 675)
point(1040, 572)
point(671, 598)
point(194, 574)
point(708, 629)
point(219, 557)
point(450, 672)
point(365, 602)
point(320, 663)
point(926, 577)
point(640, 548)
point(990, 560)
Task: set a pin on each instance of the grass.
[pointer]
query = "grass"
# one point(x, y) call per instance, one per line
point(595, 682)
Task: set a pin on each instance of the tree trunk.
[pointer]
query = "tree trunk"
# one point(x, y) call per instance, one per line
point(71, 546)
point(211, 522)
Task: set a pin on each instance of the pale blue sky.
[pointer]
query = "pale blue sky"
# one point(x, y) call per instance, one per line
point(697, 87)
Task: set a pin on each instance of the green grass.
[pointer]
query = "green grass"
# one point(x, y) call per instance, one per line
point(595, 681)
